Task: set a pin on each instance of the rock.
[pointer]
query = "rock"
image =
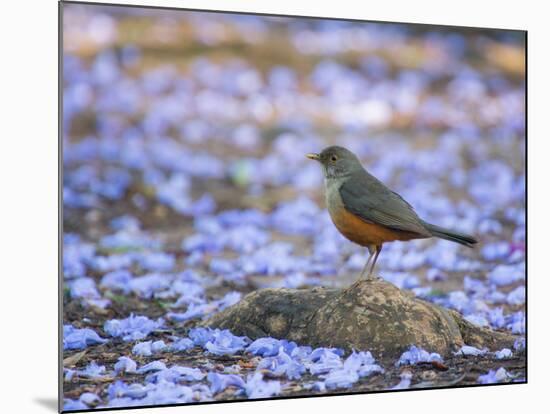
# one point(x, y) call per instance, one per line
point(368, 315)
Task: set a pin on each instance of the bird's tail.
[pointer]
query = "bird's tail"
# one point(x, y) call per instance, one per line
point(451, 235)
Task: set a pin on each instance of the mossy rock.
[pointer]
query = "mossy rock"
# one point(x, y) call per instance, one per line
point(369, 315)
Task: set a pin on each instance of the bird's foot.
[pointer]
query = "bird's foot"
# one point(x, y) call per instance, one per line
point(373, 278)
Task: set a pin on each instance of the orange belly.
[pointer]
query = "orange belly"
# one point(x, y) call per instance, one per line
point(363, 233)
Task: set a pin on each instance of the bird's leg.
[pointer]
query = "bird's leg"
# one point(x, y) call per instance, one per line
point(366, 266)
point(371, 254)
point(378, 250)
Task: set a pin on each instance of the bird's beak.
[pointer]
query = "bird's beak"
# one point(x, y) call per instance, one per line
point(313, 156)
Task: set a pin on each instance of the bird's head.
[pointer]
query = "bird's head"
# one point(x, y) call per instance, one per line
point(337, 161)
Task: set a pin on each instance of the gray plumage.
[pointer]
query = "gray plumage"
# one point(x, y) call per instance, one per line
point(365, 196)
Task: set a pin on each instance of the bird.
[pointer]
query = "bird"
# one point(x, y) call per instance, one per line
point(367, 212)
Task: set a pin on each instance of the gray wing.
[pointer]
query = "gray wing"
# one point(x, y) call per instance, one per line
point(365, 196)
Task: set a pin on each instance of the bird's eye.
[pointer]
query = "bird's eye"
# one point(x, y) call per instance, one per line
point(333, 158)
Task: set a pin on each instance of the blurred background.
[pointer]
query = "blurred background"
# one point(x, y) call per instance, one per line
point(184, 142)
